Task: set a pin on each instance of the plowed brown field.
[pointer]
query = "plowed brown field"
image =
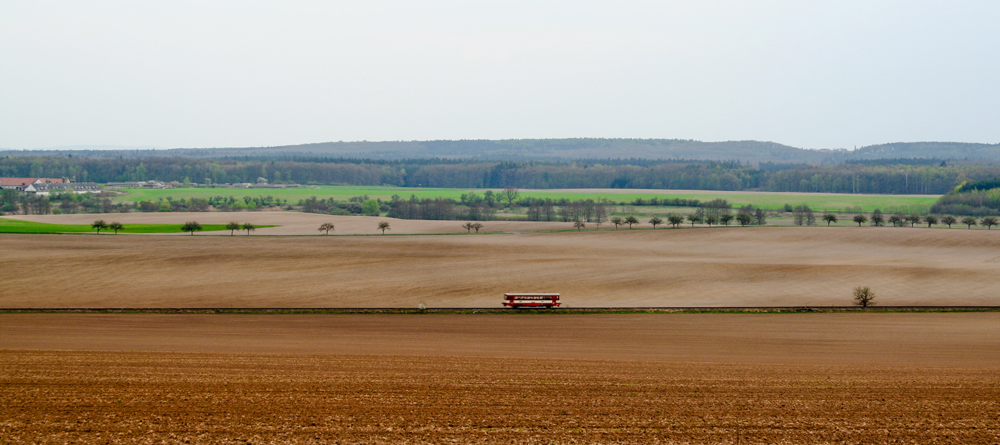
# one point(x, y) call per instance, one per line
point(778, 266)
point(635, 379)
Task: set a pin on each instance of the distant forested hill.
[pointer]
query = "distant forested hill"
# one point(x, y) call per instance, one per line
point(565, 150)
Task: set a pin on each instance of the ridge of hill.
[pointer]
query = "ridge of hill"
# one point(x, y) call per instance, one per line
point(566, 150)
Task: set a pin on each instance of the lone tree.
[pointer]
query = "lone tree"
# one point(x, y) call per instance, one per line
point(383, 226)
point(969, 221)
point(863, 296)
point(860, 219)
point(744, 218)
point(930, 220)
point(579, 225)
point(232, 227)
point(617, 221)
point(99, 225)
point(477, 226)
point(326, 227)
point(249, 228)
point(829, 218)
point(675, 220)
point(468, 227)
point(116, 226)
point(631, 220)
point(191, 226)
point(989, 222)
point(694, 217)
point(949, 220)
point(655, 221)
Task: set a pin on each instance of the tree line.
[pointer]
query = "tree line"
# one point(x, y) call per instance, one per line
point(903, 178)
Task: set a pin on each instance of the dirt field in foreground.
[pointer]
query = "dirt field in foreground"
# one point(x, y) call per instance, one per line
point(778, 266)
point(677, 379)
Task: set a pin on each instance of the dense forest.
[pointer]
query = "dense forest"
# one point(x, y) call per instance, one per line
point(893, 177)
point(980, 198)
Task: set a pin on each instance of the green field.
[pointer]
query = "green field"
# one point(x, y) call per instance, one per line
point(818, 202)
point(17, 226)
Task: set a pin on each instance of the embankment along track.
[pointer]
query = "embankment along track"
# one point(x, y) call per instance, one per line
point(884, 339)
point(690, 268)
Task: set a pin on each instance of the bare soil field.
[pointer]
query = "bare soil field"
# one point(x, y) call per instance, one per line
point(296, 223)
point(779, 266)
point(633, 379)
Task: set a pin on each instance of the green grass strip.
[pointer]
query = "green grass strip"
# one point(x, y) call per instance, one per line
point(18, 226)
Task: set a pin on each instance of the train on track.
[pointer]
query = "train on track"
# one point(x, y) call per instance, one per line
point(531, 299)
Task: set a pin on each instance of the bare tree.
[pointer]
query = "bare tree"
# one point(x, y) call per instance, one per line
point(116, 226)
point(326, 227)
point(383, 226)
point(99, 225)
point(600, 213)
point(510, 195)
point(249, 228)
point(468, 227)
point(655, 221)
point(232, 227)
point(477, 226)
point(579, 225)
point(863, 296)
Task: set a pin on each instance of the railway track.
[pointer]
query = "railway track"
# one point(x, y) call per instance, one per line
point(464, 310)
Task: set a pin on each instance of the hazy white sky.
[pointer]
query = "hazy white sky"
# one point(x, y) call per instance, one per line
point(815, 74)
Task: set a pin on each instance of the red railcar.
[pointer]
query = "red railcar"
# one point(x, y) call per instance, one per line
point(529, 299)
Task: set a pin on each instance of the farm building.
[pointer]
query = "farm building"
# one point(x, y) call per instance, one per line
point(40, 188)
point(20, 184)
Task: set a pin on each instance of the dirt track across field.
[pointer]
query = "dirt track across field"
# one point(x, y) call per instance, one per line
point(777, 266)
point(380, 379)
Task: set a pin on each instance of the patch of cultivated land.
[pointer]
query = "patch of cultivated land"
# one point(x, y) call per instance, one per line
point(373, 379)
point(295, 223)
point(768, 266)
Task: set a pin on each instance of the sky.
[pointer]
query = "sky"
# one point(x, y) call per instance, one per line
point(811, 74)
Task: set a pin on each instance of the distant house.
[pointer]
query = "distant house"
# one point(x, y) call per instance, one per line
point(41, 188)
point(20, 184)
